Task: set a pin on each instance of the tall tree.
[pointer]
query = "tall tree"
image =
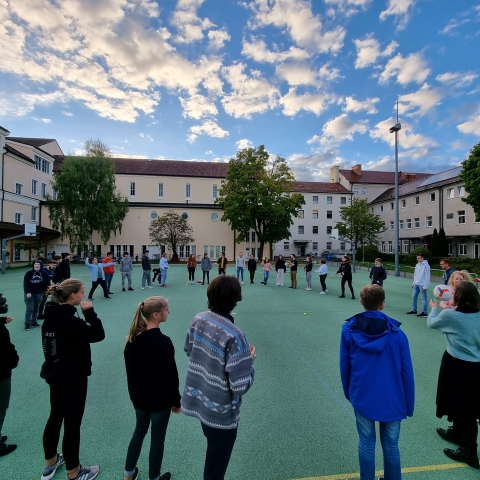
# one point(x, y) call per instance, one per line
point(442, 244)
point(87, 199)
point(256, 195)
point(172, 230)
point(358, 224)
point(470, 174)
point(434, 243)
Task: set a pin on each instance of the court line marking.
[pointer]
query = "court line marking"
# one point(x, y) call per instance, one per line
point(426, 468)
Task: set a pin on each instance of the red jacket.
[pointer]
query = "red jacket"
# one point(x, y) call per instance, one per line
point(108, 269)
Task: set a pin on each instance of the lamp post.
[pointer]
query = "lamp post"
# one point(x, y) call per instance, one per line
point(396, 128)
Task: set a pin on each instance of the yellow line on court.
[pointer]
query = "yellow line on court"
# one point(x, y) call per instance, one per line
point(426, 468)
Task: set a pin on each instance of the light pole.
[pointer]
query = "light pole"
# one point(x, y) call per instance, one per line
point(396, 128)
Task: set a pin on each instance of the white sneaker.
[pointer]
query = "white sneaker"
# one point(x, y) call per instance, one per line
point(322, 293)
point(326, 291)
point(308, 289)
point(143, 288)
point(242, 283)
point(150, 286)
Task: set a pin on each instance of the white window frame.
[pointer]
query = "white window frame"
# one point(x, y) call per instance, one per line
point(315, 199)
point(381, 208)
point(429, 221)
point(392, 205)
point(400, 224)
point(432, 197)
point(406, 246)
point(314, 245)
point(342, 245)
point(462, 247)
point(329, 200)
point(315, 214)
point(329, 214)
point(403, 203)
point(19, 188)
point(301, 214)
point(392, 225)
point(390, 246)
point(44, 192)
point(328, 246)
point(460, 191)
point(461, 217)
point(343, 200)
point(34, 187)
point(188, 191)
point(363, 192)
point(161, 190)
point(301, 229)
point(416, 222)
point(409, 223)
point(18, 218)
point(355, 191)
point(382, 248)
point(286, 246)
point(214, 192)
point(133, 190)
point(34, 214)
point(313, 229)
point(416, 200)
point(54, 194)
point(450, 193)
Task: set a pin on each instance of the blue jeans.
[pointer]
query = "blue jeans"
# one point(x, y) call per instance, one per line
point(389, 434)
point(147, 277)
point(416, 290)
point(164, 275)
point(265, 276)
point(240, 272)
point(108, 280)
point(32, 303)
point(158, 431)
point(219, 450)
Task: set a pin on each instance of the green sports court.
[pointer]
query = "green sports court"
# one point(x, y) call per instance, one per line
point(295, 423)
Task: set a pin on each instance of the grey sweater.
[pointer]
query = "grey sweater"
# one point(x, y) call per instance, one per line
point(126, 265)
point(220, 370)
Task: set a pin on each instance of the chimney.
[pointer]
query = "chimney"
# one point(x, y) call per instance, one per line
point(406, 177)
point(357, 169)
point(334, 174)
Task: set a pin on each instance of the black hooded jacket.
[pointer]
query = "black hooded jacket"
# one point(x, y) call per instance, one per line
point(8, 354)
point(36, 281)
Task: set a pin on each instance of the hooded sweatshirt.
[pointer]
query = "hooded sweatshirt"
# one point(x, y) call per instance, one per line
point(36, 281)
point(376, 367)
point(421, 275)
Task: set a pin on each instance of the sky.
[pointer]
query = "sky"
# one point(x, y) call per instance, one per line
point(316, 82)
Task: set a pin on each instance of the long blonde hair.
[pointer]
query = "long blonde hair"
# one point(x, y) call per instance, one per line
point(143, 312)
point(466, 276)
point(61, 292)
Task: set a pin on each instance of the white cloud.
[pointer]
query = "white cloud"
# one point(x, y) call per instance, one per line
point(244, 143)
point(354, 105)
point(316, 166)
point(67, 114)
point(453, 24)
point(348, 7)
point(424, 99)
point(191, 138)
point(368, 51)
point(399, 9)
point(471, 127)
point(189, 25)
point(339, 129)
point(296, 16)
point(198, 106)
point(258, 51)
point(210, 128)
point(248, 95)
point(301, 74)
point(218, 38)
point(315, 103)
point(412, 68)
point(45, 120)
point(21, 104)
point(457, 79)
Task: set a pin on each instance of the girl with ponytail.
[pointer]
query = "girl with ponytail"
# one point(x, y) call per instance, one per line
point(152, 378)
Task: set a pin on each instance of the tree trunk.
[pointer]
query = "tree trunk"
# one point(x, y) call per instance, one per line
point(262, 245)
point(90, 244)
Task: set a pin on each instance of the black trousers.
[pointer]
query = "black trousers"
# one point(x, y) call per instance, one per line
point(157, 272)
point(349, 281)
point(67, 404)
point(467, 428)
point(252, 274)
point(191, 274)
point(207, 273)
point(322, 282)
point(100, 282)
point(219, 450)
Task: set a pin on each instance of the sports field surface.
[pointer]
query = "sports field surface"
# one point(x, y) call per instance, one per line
point(296, 423)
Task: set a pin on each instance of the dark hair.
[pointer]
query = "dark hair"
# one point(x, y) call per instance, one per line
point(125, 253)
point(293, 255)
point(3, 303)
point(224, 292)
point(57, 257)
point(346, 257)
point(109, 253)
point(372, 296)
point(445, 260)
point(145, 251)
point(323, 260)
point(421, 255)
point(467, 296)
point(53, 262)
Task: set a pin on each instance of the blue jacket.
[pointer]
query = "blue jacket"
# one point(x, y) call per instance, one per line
point(376, 367)
point(94, 269)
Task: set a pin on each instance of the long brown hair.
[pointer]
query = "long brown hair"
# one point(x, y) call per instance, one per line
point(61, 292)
point(143, 312)
point(467, 296)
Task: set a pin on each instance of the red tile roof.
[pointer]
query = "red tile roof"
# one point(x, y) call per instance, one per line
point(376, 177)
point(319, 187)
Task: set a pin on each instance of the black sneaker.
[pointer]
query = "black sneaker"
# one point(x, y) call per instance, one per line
point(450, 435)
point(3, 439)
point(106, 296)
point(423, 314)
point(412, 312)
point(49, 471)
point(27, 327)
point(130, 289)
point(110, 293)
point(123, 289)
point(166, 476)
point(6, 449)
point(35, 325)
point(463, 454)
point(341, 296)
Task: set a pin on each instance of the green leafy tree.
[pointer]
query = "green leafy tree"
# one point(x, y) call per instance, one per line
point(442, 250)
point(172, 230)
point(358, 224)
point(87, 199)
point(434, 243)
point(29, 247)
point(256, 195)
point(470, 174)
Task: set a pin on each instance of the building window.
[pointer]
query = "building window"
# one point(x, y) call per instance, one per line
point(18, 188)
point(329, 245)
point(355, 191)
point(342, 245)
point(417, 201)
point(54, 194)
point(392, 225)
point(286, 245)
point(381, 208)
point(329, 230)
point(315, 214)
point(301, 229)
point(41, 164)
point(160, 190)
point(253, 237)
point(429, 221)
point(44, 190)
point(390, 246)
point(34, 214)
point(315, 229)
point(392, 205)
point(34, 187)
point(417, 222)
point(315, 199)
point(409, 223)
point(18, 218)
point(301, 214)
point(329, 214)
point(363, 192)
point(372, 210)
point(462, 246)
point(432, 197)
point(343, 200)
point(382, 247)
point(449, 216)
point(449, 193)
point(461, 216)
point(403, 203)
point(314, 245)
point(406, 246)
point(188, 191)
point(400, 222)
point(132, 189)
point(329, 200)
point(17, 254)
point(214, 192)
point(461, 191)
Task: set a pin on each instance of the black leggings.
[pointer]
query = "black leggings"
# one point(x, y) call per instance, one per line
point(322, 282)
point(191, 273)
point(100, 282)
point(349, 281)
point(207, 273)
point(67, 404)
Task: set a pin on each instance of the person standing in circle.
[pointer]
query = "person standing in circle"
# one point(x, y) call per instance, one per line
point(164, 269)
point(280, 269)
point(222, 264)
point(206, 267)
point(153, 384)
point(323, 272)
point(345, 270)
point(147, 270)
point(252, 268)
point(240, 264)
point(293, 264)
point(35, 283)
point(308, 272)
point(109, 271)
point(66, 342)
point(191, 267)
point(267, 268)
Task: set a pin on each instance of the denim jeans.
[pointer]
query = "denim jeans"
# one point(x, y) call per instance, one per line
point(164, 275)
point(389, 434)
point(147, 277)
point(416, 290)
point(108, 280)
point(32, 303)
point(265, 277)
point(207, 273)
point(159, 421)
point(309, 279)
point(240, 272)
point(219, 450)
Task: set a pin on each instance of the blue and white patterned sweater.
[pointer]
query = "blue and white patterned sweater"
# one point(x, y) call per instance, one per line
point(220, 370)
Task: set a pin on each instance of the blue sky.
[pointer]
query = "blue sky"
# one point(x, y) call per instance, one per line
point(314, 81)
